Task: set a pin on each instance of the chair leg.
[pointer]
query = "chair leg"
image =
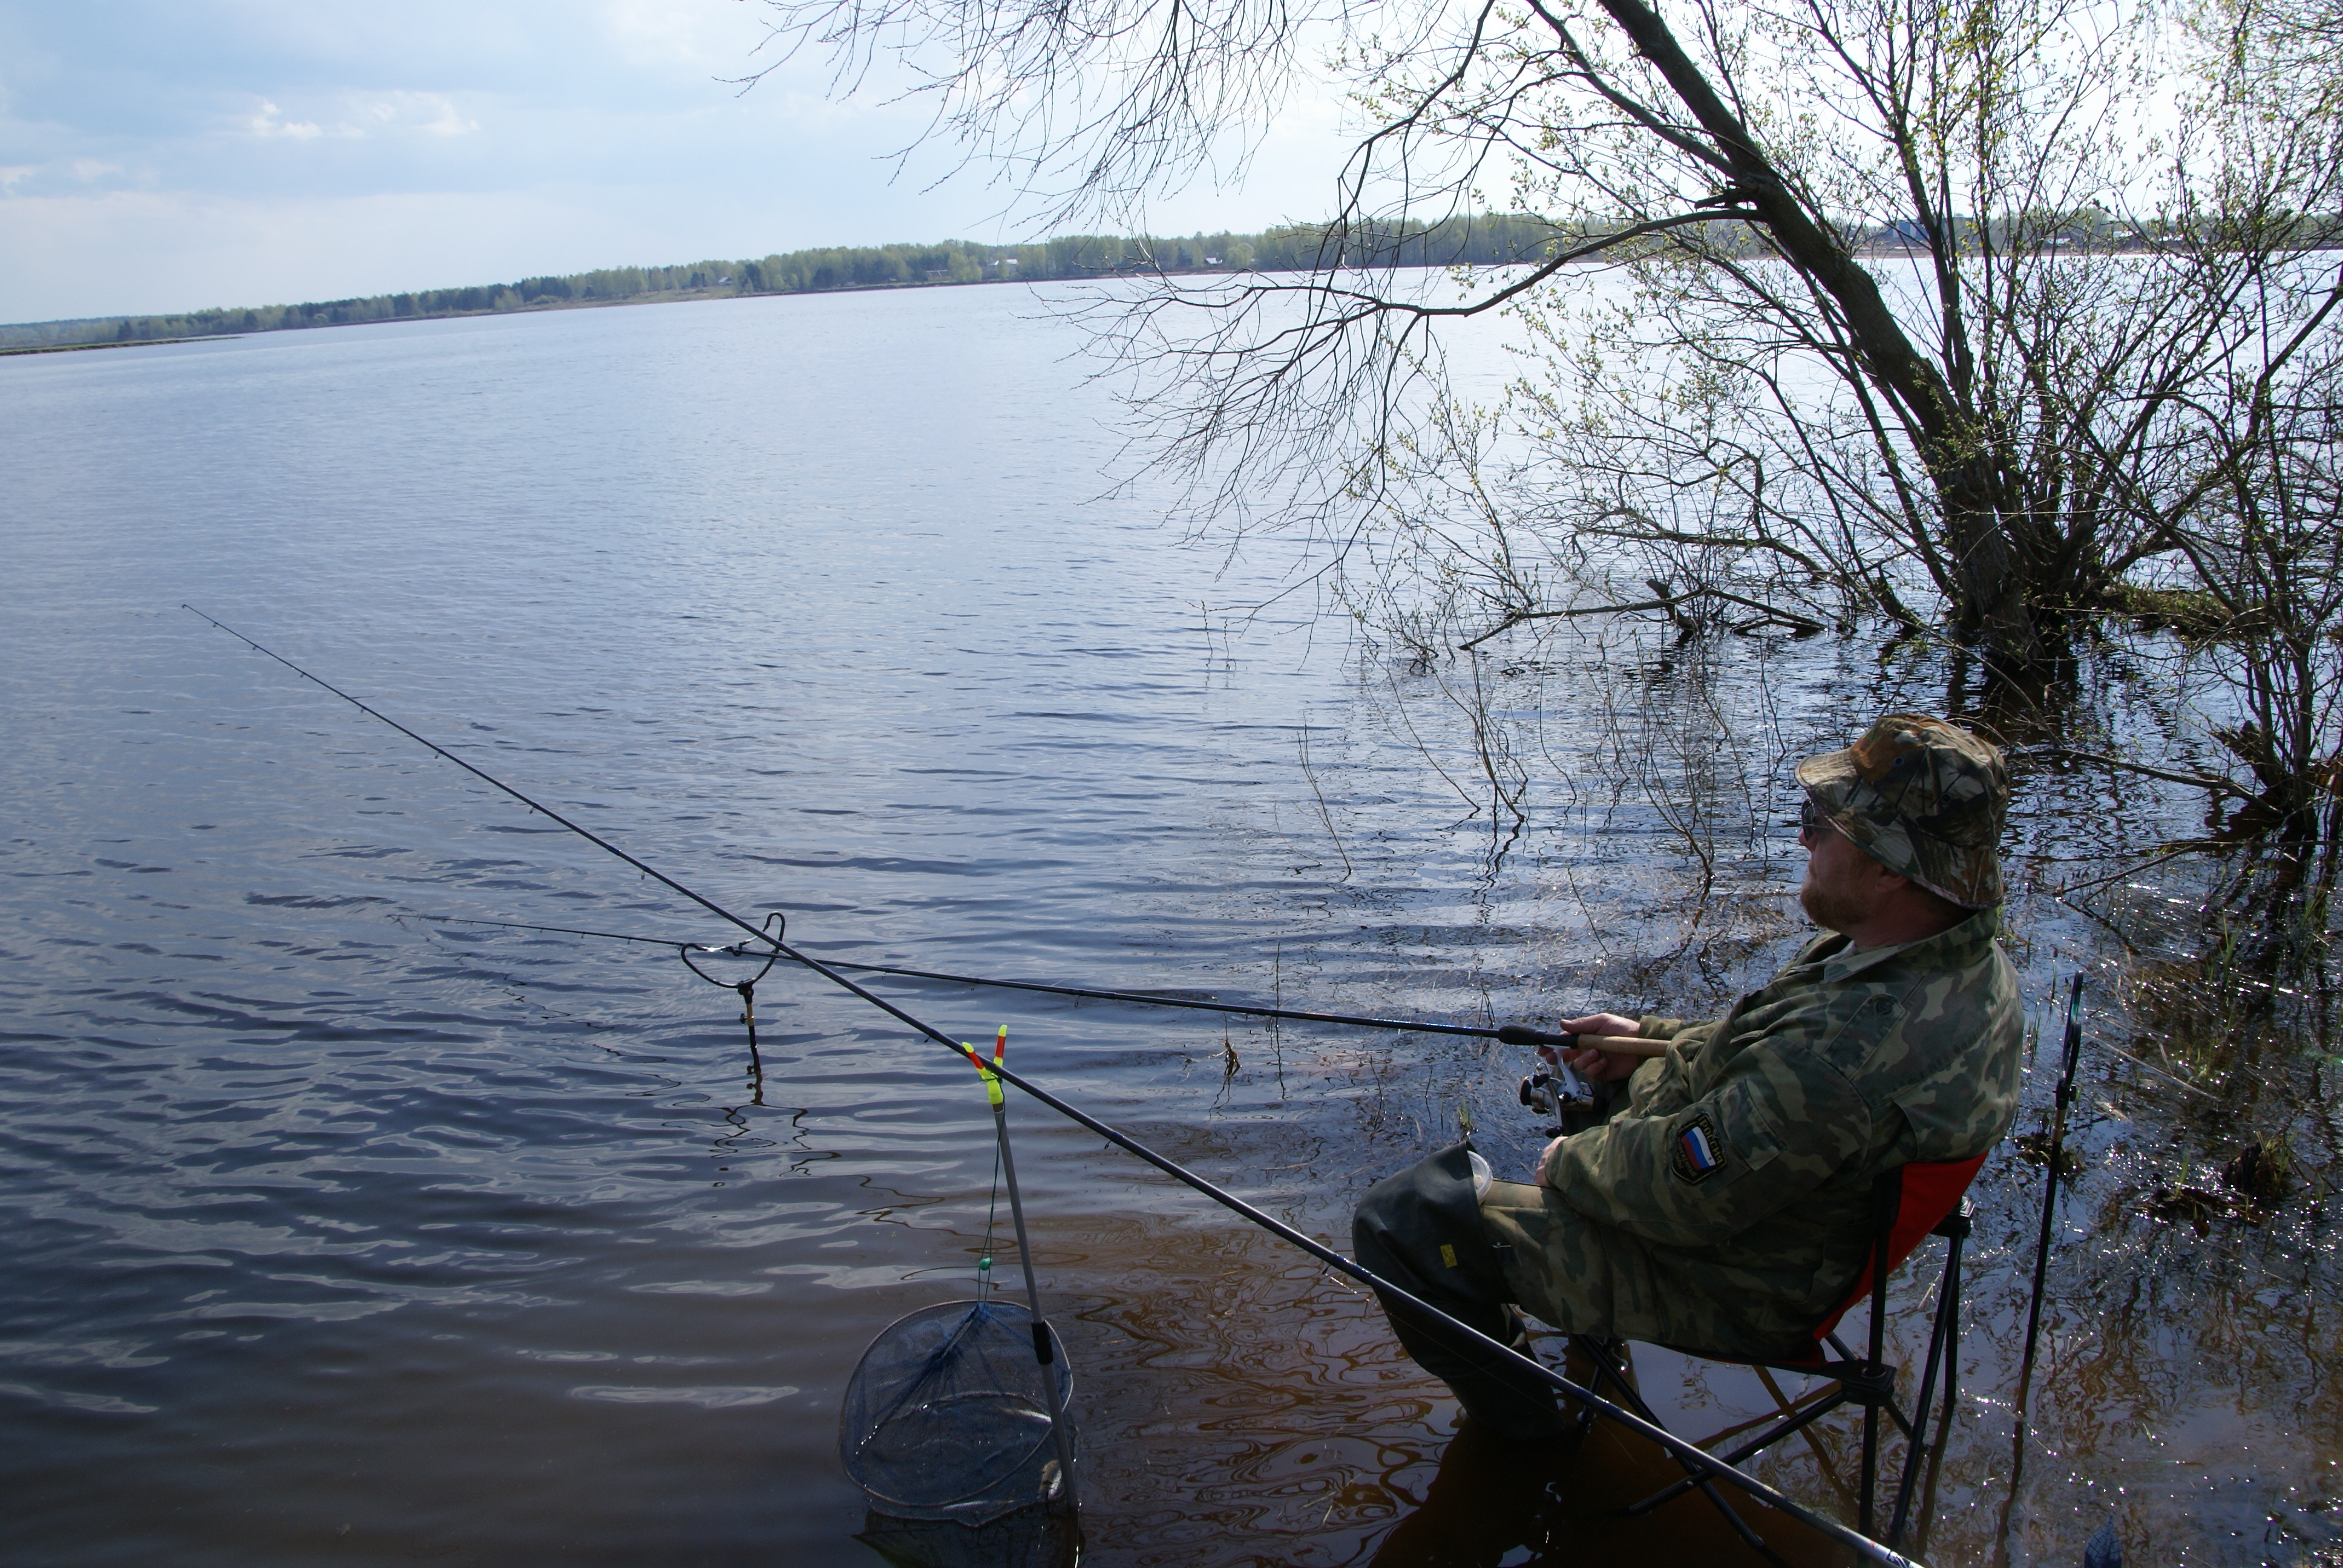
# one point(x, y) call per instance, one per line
point(1824, 1465)
point(1952, 1337)
point(1886, 1198)
point(1599, 1353)
point(1749, 1537)
point(1864, 1498)
point(1944, 1340)
point(1916, 1444)
point(1800, 1421)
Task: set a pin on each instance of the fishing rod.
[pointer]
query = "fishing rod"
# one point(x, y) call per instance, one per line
point(1506, 1034)
point(1686, 1453)
point(2072, 1051)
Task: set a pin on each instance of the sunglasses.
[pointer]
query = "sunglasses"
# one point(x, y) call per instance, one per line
point(1813, 821)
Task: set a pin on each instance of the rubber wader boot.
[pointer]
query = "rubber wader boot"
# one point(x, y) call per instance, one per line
point(1421, 1229)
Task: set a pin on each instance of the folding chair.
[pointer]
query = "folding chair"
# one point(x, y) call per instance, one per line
point(1907, 1204)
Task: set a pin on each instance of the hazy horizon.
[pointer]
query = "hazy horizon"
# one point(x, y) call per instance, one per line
point(159, 160)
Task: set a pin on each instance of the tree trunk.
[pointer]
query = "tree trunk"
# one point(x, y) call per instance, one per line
point(1998, 596)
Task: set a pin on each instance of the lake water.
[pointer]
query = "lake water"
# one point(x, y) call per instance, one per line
point(334, 1231)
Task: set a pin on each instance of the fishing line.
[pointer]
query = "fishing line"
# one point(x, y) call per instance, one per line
point(1508, 1034)
point(1688, 1453)
point(565, 931)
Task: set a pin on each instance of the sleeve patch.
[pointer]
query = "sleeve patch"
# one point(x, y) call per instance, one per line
point(1698, 1153)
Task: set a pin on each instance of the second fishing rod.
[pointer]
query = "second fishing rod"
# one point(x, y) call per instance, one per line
point(1504, 1034)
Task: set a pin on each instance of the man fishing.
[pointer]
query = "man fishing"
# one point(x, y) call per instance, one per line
point(1723, 1202)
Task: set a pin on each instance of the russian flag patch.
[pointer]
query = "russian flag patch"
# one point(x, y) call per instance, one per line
point(1698, 1151)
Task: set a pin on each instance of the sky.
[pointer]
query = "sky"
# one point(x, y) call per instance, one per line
point(161, 158)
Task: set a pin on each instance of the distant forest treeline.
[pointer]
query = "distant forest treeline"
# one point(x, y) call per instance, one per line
point(1496, 239)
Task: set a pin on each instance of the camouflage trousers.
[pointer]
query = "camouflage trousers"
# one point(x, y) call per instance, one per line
point(1421, 1231)
point(1522, 1245)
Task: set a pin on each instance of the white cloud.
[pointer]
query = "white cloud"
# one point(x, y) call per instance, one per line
point(267, 123)
point(427, 112)
point(411, 111)
point(366, 114)
point(57, 175)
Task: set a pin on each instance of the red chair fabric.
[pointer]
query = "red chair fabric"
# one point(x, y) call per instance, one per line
point(1924, 1196)
point(1928, 1192)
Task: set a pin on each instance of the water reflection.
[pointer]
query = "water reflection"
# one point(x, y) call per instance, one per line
point(1031, 1538)
point(1494, 1504)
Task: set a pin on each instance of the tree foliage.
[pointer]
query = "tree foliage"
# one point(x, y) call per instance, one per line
point(1974, 317)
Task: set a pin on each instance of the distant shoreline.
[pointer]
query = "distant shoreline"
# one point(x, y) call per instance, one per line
point(117, 343)
point(1490, 239)
point(1496, 239)
point(536, 307)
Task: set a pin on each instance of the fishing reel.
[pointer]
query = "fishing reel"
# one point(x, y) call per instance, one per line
point(1551, 1089)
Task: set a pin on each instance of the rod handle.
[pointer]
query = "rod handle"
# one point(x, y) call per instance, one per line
point(1616, 1044)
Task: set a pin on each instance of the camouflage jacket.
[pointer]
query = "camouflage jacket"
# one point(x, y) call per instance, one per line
point(1740, 1167)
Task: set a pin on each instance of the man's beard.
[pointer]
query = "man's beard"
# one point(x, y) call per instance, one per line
point(1827, 907)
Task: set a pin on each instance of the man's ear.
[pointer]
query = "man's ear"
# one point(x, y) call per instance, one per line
point(1897, 888)
point(1889, 883)
point(1892, 885)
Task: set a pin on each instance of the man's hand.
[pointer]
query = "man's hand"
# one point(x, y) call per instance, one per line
point(1599, 1066)
point(1603, 1066)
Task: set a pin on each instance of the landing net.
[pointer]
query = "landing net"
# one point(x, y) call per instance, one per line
point(948, 1415)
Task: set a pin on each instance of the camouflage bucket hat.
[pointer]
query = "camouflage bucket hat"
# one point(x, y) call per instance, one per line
point(1923, 799)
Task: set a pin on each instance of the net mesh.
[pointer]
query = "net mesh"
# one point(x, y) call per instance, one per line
point(1030, 1538)
point(948, 1415)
